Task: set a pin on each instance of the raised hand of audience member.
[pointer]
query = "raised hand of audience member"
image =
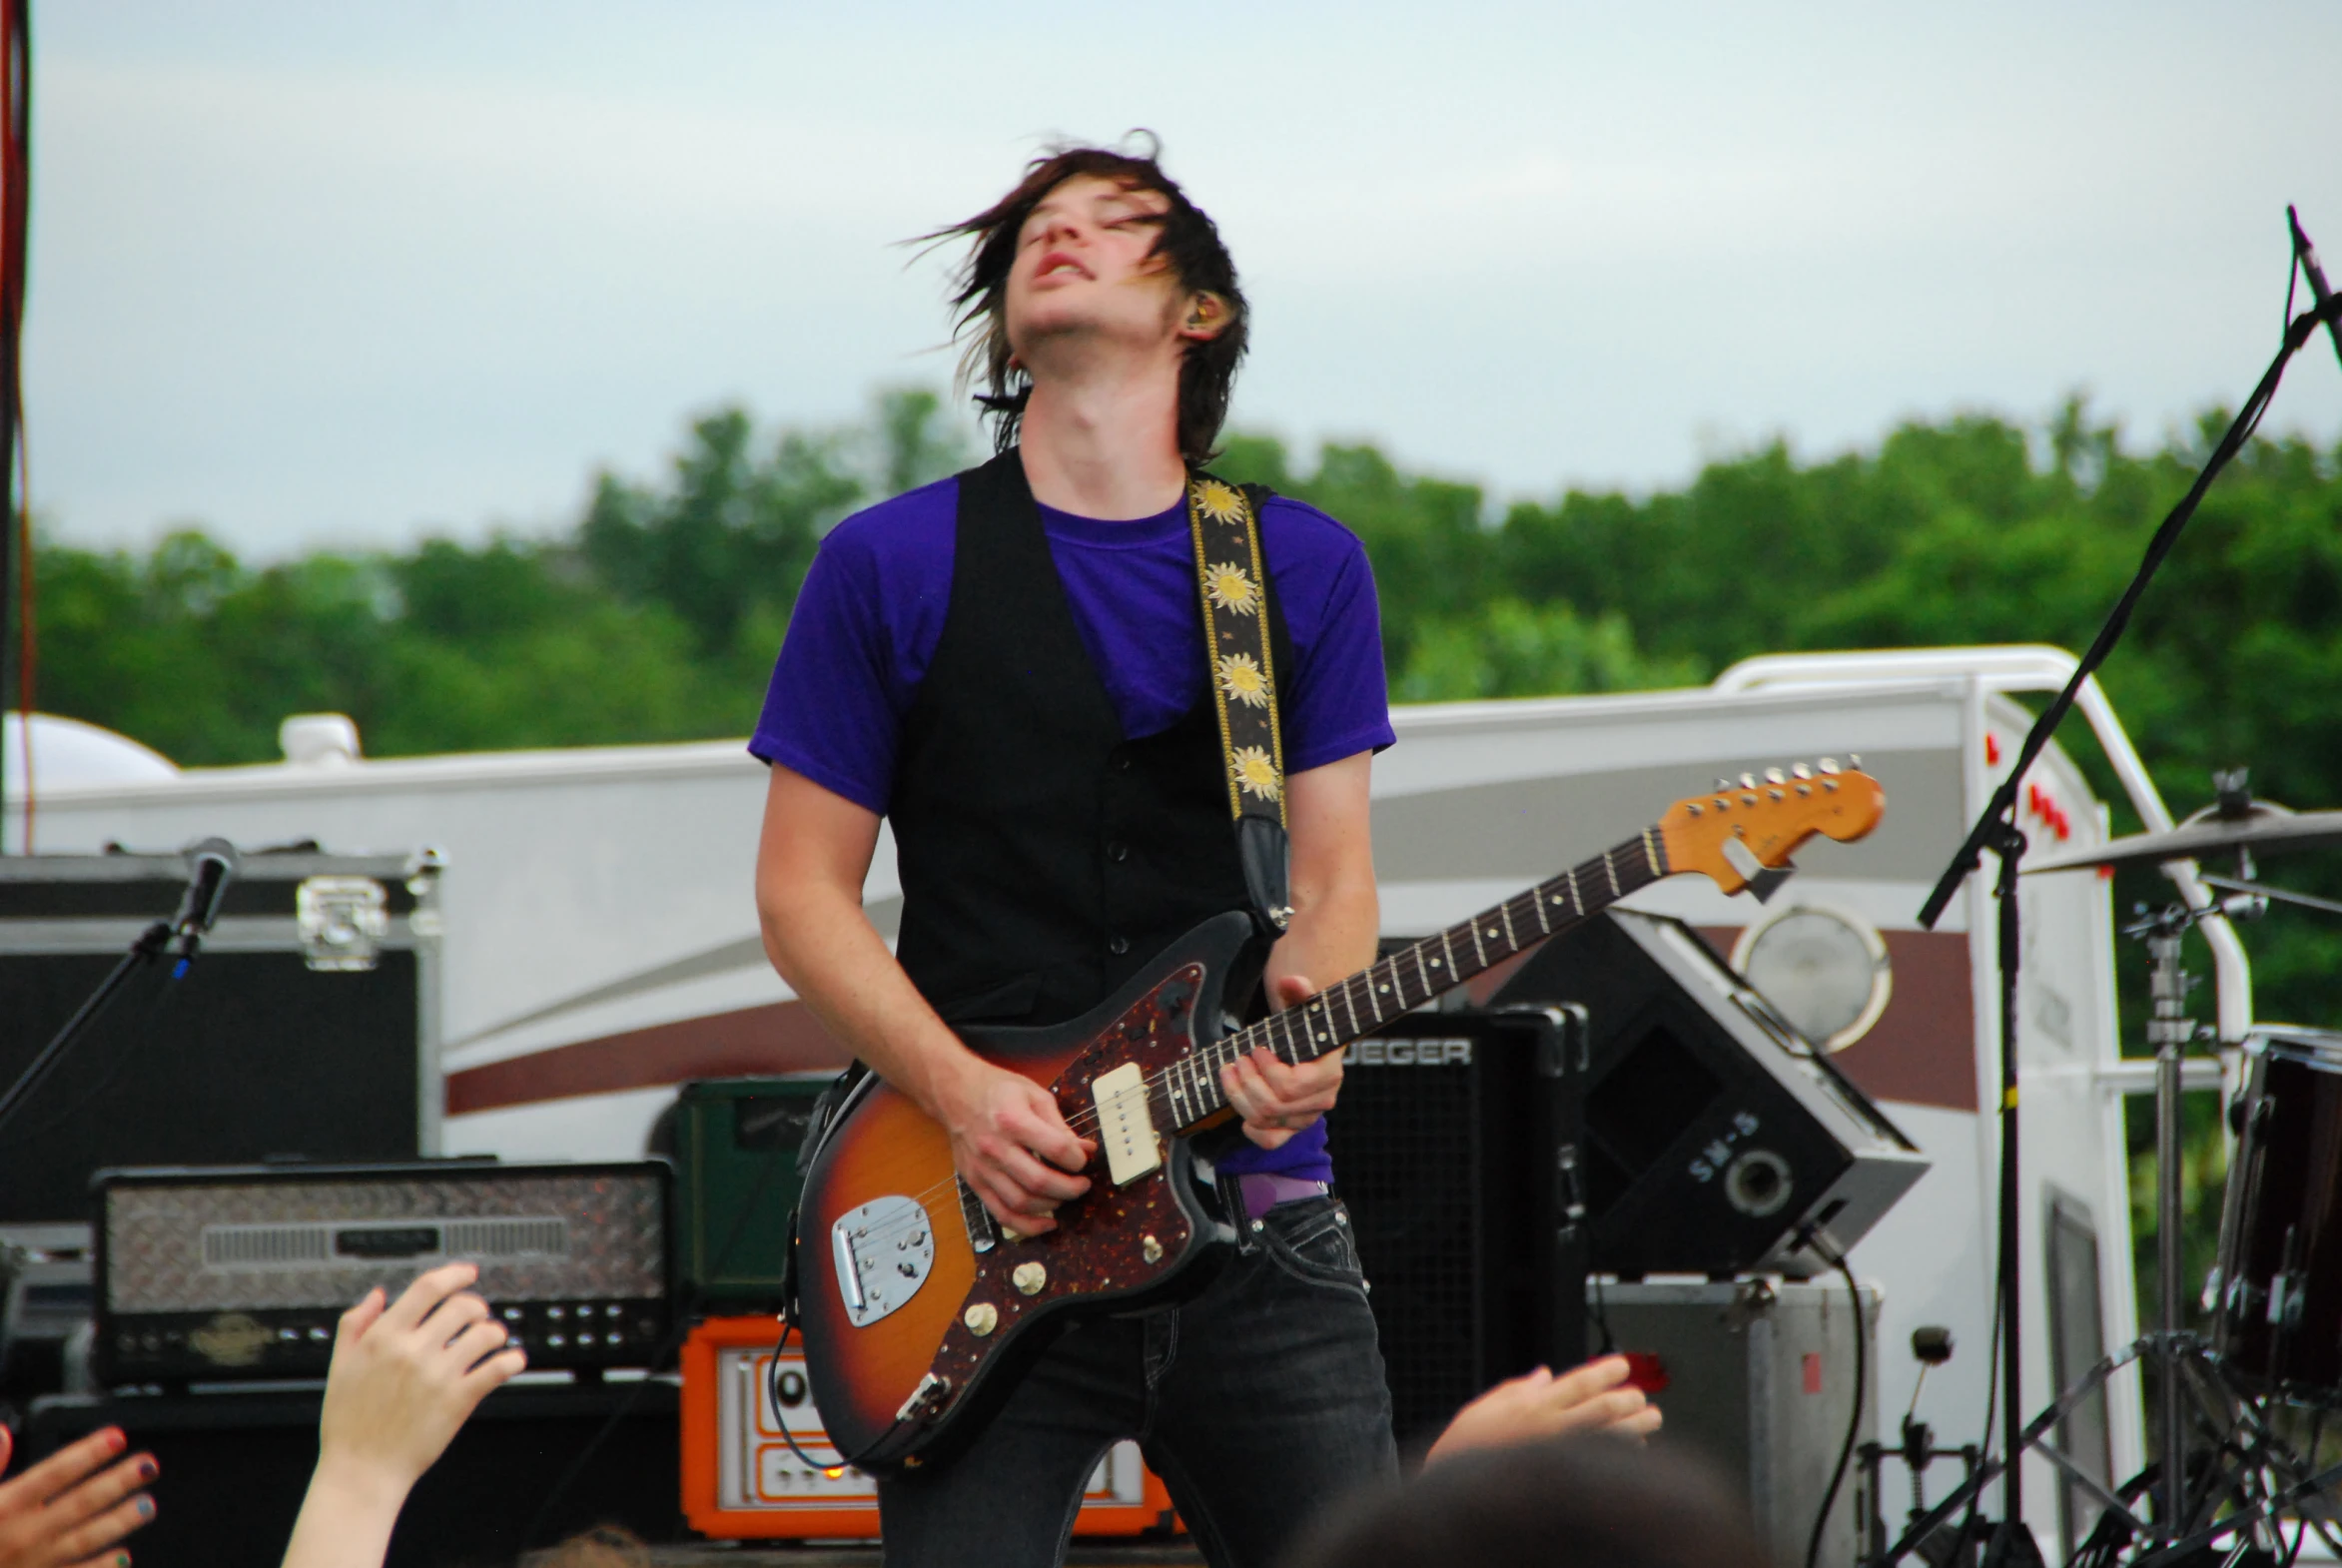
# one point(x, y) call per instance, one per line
point(74, 1504)
point(1590, 1398)
point(405, 1376)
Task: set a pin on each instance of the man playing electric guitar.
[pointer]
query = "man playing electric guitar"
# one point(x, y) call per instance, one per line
point(1011, 666)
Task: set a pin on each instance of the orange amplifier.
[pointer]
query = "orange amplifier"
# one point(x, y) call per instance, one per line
point(741, 1480)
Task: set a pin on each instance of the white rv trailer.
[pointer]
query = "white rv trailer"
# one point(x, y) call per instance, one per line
point(600, 942)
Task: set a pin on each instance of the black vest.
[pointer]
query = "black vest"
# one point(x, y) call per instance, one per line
point(1044, 858)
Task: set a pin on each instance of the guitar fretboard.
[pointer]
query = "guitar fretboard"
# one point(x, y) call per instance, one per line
point(1190, 1091)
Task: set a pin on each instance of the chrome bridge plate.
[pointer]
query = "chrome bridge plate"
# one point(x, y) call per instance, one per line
point(883, 1251)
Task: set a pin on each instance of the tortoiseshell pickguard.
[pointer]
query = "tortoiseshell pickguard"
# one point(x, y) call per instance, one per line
point(1098, 1251)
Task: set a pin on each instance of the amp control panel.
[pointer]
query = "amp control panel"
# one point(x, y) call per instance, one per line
point(743, 1480)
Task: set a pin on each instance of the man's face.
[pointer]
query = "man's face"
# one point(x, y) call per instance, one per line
point(1085, 266)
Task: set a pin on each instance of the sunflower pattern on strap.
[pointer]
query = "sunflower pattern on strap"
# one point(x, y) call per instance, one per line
point(1220, 502)
point(1231, 588)
point(1234, 591)
point(1255, 772)
point(1242, 679)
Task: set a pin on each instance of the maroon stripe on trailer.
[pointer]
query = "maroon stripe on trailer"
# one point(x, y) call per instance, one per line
point(781, 1036)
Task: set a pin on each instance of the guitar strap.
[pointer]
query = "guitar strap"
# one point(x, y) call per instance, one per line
point(1231, 588)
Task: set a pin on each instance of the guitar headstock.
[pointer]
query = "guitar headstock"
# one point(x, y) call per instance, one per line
point(1759, 819)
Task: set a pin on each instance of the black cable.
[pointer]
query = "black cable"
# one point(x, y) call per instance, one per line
point(1975, 1499)
point(1853, 1421)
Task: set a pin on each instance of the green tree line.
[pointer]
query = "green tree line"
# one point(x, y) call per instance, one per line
point(656, 616)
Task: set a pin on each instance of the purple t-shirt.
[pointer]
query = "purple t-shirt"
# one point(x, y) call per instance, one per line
point(867, 621)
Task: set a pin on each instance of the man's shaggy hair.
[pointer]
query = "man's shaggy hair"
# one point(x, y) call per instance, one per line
point(1185, 239)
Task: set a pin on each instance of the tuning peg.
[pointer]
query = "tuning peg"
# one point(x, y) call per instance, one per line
point(1747, 781)
point(1722, 782)
point(1776, 776)
point(1801, 771)
point(1853, 759)
point(1829, 765)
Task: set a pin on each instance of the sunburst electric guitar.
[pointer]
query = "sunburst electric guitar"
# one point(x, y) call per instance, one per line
point(919, 1309)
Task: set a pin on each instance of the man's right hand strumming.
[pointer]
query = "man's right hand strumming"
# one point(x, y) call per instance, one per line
point(1010, 1144)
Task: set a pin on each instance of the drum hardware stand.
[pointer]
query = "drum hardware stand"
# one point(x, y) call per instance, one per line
point(2175, 1545)
point(1996, 830)
point(1932, 1349)
point(2169, 1032)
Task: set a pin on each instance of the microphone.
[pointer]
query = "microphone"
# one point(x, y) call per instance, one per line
point(2307, 256)
point(213, 864)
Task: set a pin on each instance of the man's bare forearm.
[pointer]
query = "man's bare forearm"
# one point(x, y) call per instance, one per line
point(1333, 933)
point(826, 950)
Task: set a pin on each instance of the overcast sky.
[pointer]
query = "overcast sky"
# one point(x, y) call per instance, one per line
point(344, 275)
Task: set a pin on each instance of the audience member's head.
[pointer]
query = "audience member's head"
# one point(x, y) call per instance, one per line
point(603, 1546)
point(1587, 1502)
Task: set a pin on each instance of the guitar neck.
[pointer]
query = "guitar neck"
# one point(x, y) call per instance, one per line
point(1407, 979)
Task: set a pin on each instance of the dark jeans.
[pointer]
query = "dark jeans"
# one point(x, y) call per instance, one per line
point(1258, 1402)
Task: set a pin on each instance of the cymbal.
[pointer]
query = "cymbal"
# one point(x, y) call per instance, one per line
point(2264, 829)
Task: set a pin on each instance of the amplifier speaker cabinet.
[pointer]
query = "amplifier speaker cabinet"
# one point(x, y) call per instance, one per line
point(742, 1482)
point(236, 1463)
point(241, 1274)
point(1714, 1132)
point(306, 1026)
point(1757, 1377)
point(734, 1141)
point(1455, 1148)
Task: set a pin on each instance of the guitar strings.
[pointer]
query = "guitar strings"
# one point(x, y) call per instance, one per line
point(1224, 1053)
point(1640, 871)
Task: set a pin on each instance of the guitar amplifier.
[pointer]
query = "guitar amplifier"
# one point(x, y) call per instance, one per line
point(734, 1142)
point(243, 1272)
point(743, 1481)
point(1714, 1132)
point(306, 1026)
point(1455, 1148)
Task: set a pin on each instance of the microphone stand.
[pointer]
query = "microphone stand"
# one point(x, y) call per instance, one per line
point(214, 864)
point(1996, 830)
point(2306, 256)
point(144, 951)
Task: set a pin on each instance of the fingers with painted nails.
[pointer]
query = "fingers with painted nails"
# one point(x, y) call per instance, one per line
point(76, 1504)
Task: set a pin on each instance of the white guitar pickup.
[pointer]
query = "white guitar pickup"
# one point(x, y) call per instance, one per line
point(1124, 1126)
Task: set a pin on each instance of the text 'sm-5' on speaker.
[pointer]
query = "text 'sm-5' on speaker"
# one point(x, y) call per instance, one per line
point(1455, 1151)
point(1714, 1135)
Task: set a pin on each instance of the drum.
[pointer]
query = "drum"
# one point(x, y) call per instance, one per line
point(2277, 1289)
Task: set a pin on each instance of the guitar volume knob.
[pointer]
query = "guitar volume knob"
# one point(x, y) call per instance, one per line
point(1029, 1278)
point(981, 1318)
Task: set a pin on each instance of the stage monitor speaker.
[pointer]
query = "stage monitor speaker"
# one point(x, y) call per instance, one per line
point(1455, 1149)
point(1714, 1135)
